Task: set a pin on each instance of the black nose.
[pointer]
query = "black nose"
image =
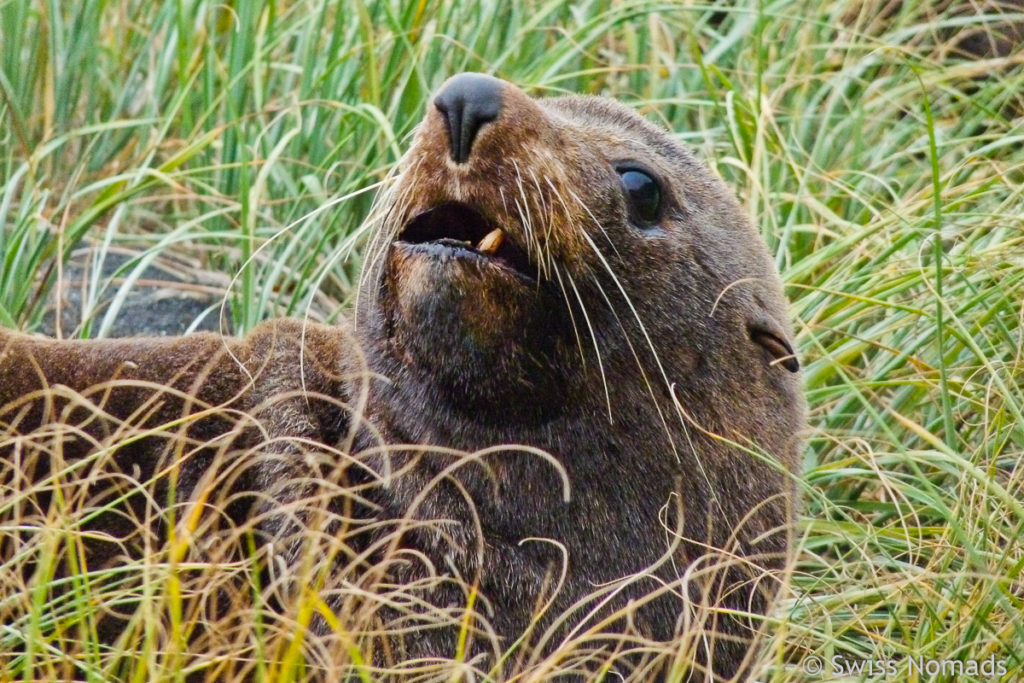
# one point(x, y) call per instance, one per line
point(467, 102)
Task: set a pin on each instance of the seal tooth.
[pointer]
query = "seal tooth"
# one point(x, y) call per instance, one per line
point(491, 241)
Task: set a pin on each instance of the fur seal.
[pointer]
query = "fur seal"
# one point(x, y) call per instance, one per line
point(569, 376)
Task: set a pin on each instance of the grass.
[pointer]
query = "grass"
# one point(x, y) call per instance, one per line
point(885, 170)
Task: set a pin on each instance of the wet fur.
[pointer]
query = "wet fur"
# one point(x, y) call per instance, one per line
point(631, 361)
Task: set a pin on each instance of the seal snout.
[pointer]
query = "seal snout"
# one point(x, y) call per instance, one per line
point(466, 103)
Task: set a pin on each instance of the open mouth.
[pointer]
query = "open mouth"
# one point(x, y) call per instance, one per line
point(460, 227)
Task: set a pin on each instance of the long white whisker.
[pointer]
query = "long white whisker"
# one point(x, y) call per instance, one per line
point(387, 205)
point(597, 346)
point(550, 258)
point(653, 349)
point(547, 209)
point(532, 244)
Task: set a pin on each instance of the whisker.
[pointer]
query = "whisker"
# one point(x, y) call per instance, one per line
point(547, 209)
point(533, 245)
point(647, 338)
point(597, 347)
point(388, 205)
point(549, 255)
point(657, 360)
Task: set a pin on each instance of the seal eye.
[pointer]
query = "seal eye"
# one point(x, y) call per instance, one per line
point(644, 196)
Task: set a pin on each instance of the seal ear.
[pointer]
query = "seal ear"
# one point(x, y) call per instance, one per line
point(768, 336)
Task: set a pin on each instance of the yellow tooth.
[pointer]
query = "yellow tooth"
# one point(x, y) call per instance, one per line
point(491, 241)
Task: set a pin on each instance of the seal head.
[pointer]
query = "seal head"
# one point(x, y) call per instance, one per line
point(526, 235)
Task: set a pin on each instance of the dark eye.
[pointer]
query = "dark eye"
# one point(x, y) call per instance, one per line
point(643, 195)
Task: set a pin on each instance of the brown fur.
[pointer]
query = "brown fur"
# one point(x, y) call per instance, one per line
point(648, 364)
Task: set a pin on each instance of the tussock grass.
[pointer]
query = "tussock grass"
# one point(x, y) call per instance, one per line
point(885, 167)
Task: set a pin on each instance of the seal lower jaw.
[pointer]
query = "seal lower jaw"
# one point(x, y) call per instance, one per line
point(486, 339)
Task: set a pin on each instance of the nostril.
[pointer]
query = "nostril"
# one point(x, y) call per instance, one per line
point(467, 102)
